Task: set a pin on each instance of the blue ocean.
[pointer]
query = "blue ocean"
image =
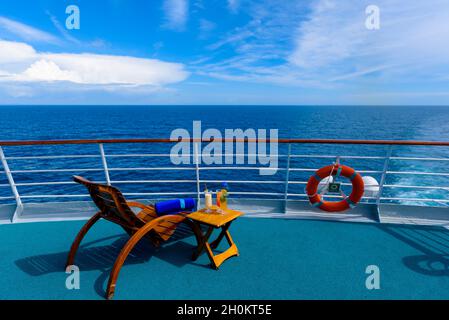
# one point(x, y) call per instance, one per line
point(119, 122)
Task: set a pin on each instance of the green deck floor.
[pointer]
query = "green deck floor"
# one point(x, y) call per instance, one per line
point(279, 259)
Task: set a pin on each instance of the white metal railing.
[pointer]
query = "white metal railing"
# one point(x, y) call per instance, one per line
point(7, 171)
point(286, 195)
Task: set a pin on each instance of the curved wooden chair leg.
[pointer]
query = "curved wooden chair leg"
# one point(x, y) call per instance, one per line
point(130, 245)
point(79, 238)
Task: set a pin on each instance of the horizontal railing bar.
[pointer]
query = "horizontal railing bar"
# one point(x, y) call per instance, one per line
point(363, 157)
point(305, 182)
point(303, 169)
point(376, 171)
point(222, 168)
point(6, 198)
point(53, 170)
point(312, 156)
point(419, 159)
point(415, 187)
point(44, 183)
point(53, 157)
point(151, 169)
point(152, 181)
point(418, 173)
point(334, 156)
point(244, 181)
point(366, 157)
point(142, 155)
point(257, 193)
point(327, 196)
point(214, 181)
point(298, 141)
point(240, 168)
point(415, 199)
point(159, 193)
point(307, 200)
point(230, 193)
point(110, 169)
point(147, 181)
point(190, 193)
point(369, 171)
point(236, 193)
point(55, 196)
point(385, 185)
point(313, 170)
point(224, 154)
point(218, 154)
point(86, 195)
point(342, 183)
point(184, 155)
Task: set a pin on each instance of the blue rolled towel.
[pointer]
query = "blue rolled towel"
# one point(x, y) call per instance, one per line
point(174, 206)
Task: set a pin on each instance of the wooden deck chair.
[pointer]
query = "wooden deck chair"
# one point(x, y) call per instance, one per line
point(113, 207)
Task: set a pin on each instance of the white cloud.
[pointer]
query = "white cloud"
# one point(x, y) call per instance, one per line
point(11, 52)
point(47, 70)
point(107, 69)
point(325, 43)
point(11, 29)
point(62, 30)
point(359, 73)
point(233, 5)
point(176, 14)
point(21, 63)
point(258, 50)
point(26, 32)
point(240, 35)
point(334, 38)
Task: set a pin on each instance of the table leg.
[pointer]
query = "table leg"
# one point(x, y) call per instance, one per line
point(202, 242)
point(210, 254)
point(218, 259)
point(214, 244)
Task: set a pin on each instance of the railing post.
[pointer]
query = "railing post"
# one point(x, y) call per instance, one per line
point(287, 173)
point(19, 204)
point(382, 180)
point(197, 169)
point(105, 164)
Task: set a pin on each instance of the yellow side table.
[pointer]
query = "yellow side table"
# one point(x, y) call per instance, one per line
point(214, 219)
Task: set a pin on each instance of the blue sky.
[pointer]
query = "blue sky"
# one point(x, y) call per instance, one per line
point(224, 52)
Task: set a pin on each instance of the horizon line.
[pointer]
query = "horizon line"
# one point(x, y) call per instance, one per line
point(224, 105)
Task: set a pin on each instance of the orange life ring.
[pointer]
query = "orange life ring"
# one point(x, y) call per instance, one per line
point(337, 170)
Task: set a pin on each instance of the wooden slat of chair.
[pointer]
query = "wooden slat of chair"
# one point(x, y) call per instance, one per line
point(147, 213)
point(114, 207)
